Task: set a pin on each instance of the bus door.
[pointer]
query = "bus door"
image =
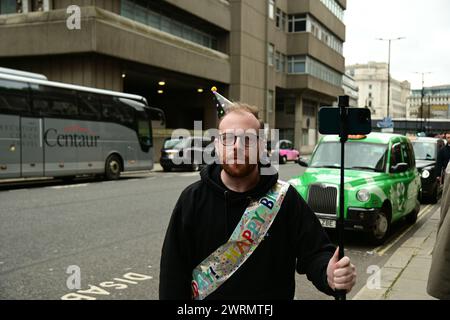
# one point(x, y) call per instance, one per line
point(32, 148)
point(9, 146)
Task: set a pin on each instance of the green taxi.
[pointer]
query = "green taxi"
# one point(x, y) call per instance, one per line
point(382, 184)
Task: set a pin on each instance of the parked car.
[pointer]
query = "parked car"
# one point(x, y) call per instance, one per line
point(426, 150)
point(382, 184)
point(185, 153)
point(286, 151)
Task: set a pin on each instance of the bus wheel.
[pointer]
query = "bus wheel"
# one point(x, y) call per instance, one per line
point(112, 168)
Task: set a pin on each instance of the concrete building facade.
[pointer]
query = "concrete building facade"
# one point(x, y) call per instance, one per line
point(283, 56)
point(350, 89)
point(372, 81)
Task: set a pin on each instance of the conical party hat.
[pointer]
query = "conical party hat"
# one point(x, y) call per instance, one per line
point(222, 103)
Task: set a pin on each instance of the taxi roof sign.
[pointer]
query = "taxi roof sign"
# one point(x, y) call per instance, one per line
point(357, 136)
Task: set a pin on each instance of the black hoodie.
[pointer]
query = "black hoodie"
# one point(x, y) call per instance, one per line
point(204, 218)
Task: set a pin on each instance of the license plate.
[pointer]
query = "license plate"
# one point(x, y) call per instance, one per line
point(327, 223)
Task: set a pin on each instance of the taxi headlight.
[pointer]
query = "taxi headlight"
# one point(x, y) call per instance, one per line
point(363, 195)
point(425, 174)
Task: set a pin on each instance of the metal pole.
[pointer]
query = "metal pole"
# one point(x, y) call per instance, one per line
point(389, 79)
point(389, 70)
point(343, 106)
point(421, 108)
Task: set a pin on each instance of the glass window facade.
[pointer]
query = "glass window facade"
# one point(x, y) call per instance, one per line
point(297, 23)
point(134, 10)
point(281, 18)
point(306, 23)
point(8, 6)
point(271, 49)
point(335, 8)
point(308, 65)
point(271, 9)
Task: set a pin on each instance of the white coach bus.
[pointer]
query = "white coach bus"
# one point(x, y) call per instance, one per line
point(51, 129)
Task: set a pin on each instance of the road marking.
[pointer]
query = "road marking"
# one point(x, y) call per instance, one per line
point(70, 186)
point(383, 249)
point(94, 291)
point(191, 174)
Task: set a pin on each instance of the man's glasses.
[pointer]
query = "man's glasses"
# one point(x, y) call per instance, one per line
point(229, 139)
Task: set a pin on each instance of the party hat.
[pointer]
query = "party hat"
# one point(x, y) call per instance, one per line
point(222, 103)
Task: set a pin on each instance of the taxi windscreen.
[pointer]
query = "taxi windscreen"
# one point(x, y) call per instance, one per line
point(358, 156)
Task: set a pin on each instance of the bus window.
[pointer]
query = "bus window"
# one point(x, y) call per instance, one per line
point(41, 106)
point(89, 106)
point(54, 101)
point(14, 97)
point(127, 110)
point(111, 111)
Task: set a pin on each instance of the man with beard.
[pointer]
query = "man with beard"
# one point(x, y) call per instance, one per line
point(239, 234)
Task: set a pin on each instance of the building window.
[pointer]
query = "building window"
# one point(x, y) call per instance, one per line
point(271, 9)
point(270, 101)
point(271, 50)
point(301, 23)
point(297, 23)
point(277, 62)
point(133, 10)
point(370, 94)
point(281, 20)
point(283, 63)
point(335, 8)
point(296, 64)
point(278, 18)
point(370, 86)
point(8, 6)
point(308, 65)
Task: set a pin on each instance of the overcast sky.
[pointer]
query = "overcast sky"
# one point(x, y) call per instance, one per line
point(424, 23)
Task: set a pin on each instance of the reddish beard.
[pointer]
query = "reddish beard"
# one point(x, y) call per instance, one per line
point(239, 170)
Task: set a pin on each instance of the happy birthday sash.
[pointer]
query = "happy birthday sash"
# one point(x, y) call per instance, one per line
point(212, 272)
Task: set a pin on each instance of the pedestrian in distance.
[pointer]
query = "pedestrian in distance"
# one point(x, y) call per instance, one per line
point(240, 234)
point(443, 159)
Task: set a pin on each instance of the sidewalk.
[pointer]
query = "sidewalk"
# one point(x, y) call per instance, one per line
point(405, 274)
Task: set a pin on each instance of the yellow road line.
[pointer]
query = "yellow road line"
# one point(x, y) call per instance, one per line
point(382, 249)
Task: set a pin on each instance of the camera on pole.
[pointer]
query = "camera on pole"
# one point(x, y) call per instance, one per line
point(343, 121)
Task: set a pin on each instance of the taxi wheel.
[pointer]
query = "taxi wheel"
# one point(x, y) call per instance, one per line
point(381, 228)
point(283, 160)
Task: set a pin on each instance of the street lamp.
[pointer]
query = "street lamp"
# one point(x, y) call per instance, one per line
point(389, 69)
point(421, 97)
